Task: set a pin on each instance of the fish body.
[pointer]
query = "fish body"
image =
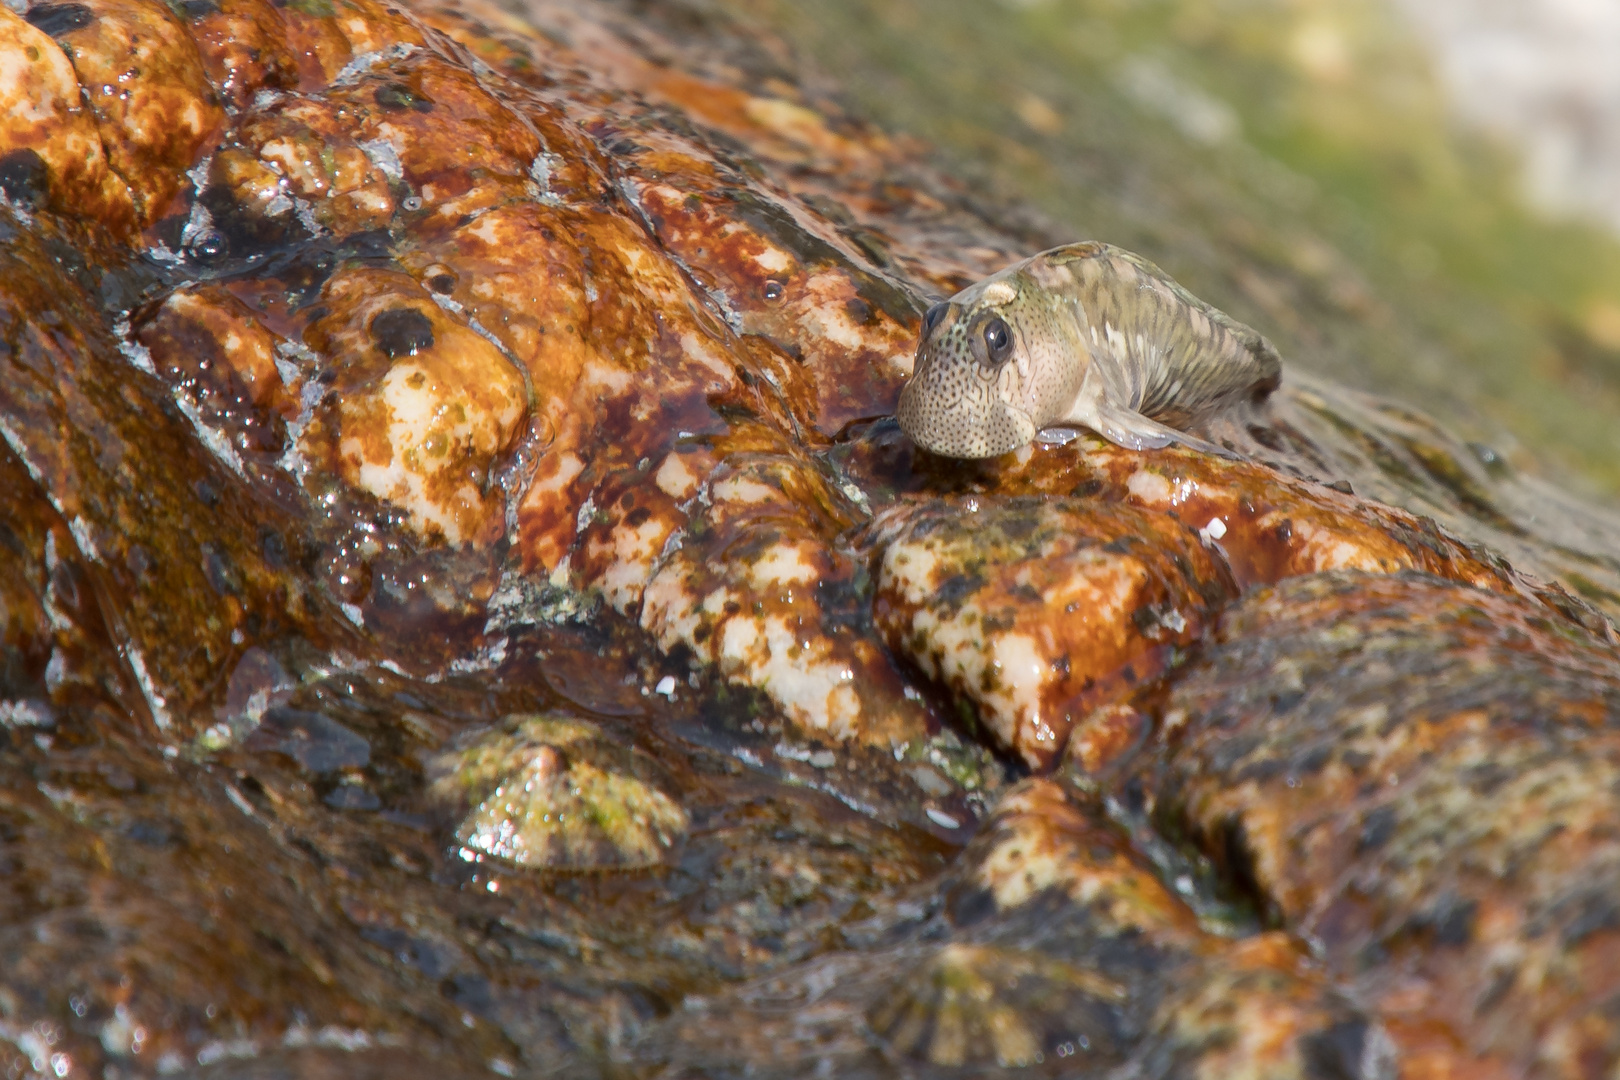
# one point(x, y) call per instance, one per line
point(1086, 335)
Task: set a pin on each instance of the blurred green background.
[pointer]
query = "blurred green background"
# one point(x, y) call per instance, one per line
point(1295, 162)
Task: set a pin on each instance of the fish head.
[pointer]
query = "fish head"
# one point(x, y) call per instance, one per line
point(995, 363)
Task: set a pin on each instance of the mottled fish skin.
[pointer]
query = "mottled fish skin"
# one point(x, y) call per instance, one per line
point(1094, 337)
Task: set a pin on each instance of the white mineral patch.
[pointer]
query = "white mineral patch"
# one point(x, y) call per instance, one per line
point(810, 688)
point(1327, 550)
point(385, 157)
point(781, 565)
point(829, 318)
point(674, 478)
point(742, 489)
point(25, 713)
point(1149, 487)
point(773, 260)
point(1020, 868)
point(633, 553)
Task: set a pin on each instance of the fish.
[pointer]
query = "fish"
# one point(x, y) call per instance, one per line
point(1086, 335)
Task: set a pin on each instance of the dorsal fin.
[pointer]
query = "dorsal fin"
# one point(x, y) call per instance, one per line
point(1176, 357)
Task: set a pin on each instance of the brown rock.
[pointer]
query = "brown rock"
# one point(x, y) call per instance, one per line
point(53, 151)
point(143, 81)
point(1040, 610)
point(1417, 776)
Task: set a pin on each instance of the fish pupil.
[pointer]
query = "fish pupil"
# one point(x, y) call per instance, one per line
point(997, 340)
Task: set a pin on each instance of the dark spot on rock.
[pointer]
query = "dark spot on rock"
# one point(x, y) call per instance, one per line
point(970, 904)
point(273, 548)
point(198, 9)
point(1376, 828)
point(1086, 489)
point(206, 493)
point(1454, 921)
point(1497, 990)
point(958, 587)
point(397, 97)
point(219, 571)
point(24, 178)
point(1493, 462)
point(318, 743)
point(55, 20)
point(637, 517)
point(1342, 486)
point(1336, 1053)
point(1312, 760)
point(1016, 527)
point(732, 607)
point(858, 310)
point(1146, 620)
point(137, 560)
point(442, 283)
point(402, 332)
point(471, 992)
point(152, 834)
point(1595, 911)
point(1061, 665)
point(1286, 701)
point(1235, 855)
point(352, 797)
point(1285, 531)
point(1128, 673)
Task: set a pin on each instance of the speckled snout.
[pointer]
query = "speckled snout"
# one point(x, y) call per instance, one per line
point(954, 405)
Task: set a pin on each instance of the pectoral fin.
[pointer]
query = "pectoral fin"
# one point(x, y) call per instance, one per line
point(1133, 431)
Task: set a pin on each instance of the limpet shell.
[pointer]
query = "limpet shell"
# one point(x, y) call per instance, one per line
point(557, 794)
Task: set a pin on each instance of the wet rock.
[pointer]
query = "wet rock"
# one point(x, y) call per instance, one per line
point(317, 743)
point(167, 531)
point(420, 406)
point(53, 151)
point(144, 83)
point(451, 543)
point(1038, 611)
point(758, 588)
point(1451, 830)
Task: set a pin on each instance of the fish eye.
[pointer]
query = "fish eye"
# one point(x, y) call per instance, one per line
point(997, 340)
point(934, 315)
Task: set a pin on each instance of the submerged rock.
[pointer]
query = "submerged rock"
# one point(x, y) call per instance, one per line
point(446, 467)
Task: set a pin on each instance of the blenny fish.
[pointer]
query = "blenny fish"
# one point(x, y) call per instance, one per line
point(1086, 335)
